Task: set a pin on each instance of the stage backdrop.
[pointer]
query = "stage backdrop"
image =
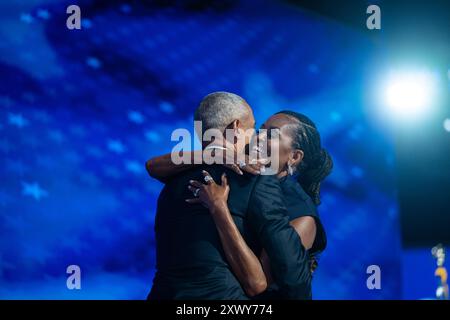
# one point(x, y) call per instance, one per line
point(82, 110)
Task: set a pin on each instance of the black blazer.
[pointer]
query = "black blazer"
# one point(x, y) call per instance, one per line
point(190, 262)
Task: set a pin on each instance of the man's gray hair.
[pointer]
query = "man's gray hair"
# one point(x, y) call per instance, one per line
point(218, 109)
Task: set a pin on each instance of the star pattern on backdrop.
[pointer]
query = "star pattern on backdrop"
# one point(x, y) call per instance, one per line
point(82, 110)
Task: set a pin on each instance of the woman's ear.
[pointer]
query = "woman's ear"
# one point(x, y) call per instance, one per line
point(297, 157)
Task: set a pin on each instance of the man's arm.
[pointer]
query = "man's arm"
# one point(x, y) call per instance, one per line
point(268, 217)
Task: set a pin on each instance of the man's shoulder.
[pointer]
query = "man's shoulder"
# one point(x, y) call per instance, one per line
point(194, 173)
point(240, 185)
point(267, 181)
point(215, 170)
point(268, 178)
point(267, 190)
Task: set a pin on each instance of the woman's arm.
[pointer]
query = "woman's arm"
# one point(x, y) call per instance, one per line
point(306, 229)
point(244, 263)
point(254, 274)
point(162, 167)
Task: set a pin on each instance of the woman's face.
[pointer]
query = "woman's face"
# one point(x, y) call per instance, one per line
point(283, 125)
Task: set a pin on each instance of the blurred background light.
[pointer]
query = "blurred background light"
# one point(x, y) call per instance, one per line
point(410, 95)
point(447, 124)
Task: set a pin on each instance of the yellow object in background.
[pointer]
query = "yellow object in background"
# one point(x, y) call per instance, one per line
point(442, 273)
point(439, 253)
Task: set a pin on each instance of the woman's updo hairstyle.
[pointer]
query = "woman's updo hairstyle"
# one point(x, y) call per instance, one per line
point(317, 163)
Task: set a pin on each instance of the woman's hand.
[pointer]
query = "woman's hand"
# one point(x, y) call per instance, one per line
point(211, 195)
point(255, 166)
point(226, 151)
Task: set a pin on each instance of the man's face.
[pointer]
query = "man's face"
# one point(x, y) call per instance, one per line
point(248, 123)
point(245, 130)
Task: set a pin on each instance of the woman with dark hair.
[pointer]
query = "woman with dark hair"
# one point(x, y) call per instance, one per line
point(303, 164)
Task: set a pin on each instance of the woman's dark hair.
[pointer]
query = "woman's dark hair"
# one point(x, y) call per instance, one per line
point(317, 163)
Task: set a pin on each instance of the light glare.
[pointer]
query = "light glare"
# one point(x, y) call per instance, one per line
point(409, 94)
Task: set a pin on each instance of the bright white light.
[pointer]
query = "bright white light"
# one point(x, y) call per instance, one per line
point(409, 94)
point(447, 124)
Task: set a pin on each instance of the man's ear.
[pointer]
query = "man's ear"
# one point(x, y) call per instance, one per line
point(297, 157)
point(234, 125)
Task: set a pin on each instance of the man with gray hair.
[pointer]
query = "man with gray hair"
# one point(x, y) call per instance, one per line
point(220, 109)
point(190, 260)
point(225, 119)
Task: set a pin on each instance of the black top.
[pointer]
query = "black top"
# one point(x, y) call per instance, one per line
point(190, 261)
point(298, 204)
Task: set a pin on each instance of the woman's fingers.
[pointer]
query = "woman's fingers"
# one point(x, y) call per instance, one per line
point(252, 169)
point(207, 177)
point(193, 201)
point(195, 190)
point(235, 168)
point(196, 201)
point(195, 183)
point(224, 180)
point(254, 166)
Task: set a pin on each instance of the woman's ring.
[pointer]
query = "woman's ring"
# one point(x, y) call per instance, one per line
point(242, 164)
point(208, 179)
point(196, 191)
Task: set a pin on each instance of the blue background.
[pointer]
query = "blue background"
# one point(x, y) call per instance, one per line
point(82, 110)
